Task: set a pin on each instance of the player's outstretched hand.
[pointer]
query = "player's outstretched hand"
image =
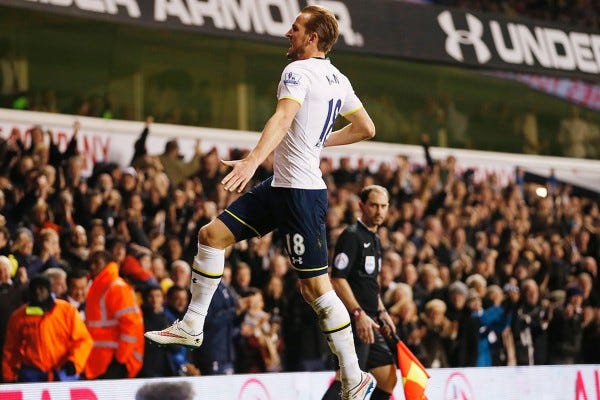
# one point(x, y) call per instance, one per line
point(240, 175)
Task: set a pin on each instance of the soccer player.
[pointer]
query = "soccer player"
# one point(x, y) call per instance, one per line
point(356, 266)
point(311, 94)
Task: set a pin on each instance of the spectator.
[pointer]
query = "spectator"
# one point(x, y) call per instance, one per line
point(566, 328)
point(402, 292)
point(262, 349)
point(181, 273)
point(404, 315)
point(211, 175)
point(217, 354)
point(58, 158)
point(435, 327)
point(529, 325)
point(275, 301)
point(129, 266)
point(306, 348)
point(462, 350)
point(477, 283)
point(76, 248)
point(115, 322)
point(77, 289)
point(58, 281)
point(386, 280)
point(50, 252)
point(74, 177)
point(128, 184)
point(260, 261)
point(345, 174)
point(173, 250)
point(46, 339)
point(159, 361)
point(424, 289)
point(4, 239)
point(41, 218)
point(241, 280)
point(11, 298)
point(159, 270)
point(140, 156)
point(590, 297)
point(491, 323)
point(175, 167)
point(279, 266)
point(22, 250)
point(590, 351)
point(177, 301)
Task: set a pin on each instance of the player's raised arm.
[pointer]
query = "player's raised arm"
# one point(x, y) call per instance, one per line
point(361, 127)
point(275, 129)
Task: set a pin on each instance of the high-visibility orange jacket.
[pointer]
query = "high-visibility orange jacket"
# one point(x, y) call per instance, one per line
point(45, 340)
point(115, 322)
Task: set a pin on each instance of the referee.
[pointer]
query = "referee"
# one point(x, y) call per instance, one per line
point(356, 266)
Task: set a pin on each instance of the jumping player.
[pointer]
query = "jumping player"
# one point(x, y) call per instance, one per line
point(311, 94)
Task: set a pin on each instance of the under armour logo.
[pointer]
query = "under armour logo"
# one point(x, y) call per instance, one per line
point(469, 37)
point(297, 260)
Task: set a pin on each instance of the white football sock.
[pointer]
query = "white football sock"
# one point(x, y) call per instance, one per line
point(206, 275)
point(335, 324)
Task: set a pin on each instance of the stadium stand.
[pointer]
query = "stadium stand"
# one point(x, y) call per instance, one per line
point(478, 273)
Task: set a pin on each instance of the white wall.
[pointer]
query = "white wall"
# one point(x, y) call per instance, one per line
point(576, 382)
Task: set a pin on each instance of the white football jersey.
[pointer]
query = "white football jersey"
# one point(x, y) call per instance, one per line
point(323, 92)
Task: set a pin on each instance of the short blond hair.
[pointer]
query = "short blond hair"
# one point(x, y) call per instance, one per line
point(6, 264)
point(436, 304)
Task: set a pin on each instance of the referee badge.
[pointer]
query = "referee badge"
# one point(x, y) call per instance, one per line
point(341, 261)
point(370, 264)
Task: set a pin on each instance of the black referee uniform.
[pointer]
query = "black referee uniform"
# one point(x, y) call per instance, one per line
point(357, 259)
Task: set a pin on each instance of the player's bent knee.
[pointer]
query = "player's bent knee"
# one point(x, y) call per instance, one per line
point(314, 287)
point(215, 234)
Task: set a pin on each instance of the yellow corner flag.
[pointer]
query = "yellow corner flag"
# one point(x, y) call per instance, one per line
point(414, 374)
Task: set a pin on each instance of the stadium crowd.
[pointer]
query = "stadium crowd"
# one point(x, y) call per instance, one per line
point(473, 273)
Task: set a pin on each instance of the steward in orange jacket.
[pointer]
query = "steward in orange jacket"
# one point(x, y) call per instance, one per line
point(45, 337)
point(115, 322)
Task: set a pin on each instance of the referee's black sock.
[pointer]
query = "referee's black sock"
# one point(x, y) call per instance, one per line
point(334, 392)
point(379, 394)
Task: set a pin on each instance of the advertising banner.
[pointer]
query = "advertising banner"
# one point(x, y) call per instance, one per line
point(577, 92)
point(564, 382)
point(379, 27)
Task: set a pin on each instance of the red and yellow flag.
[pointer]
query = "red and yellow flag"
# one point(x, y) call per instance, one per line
point(414, 374)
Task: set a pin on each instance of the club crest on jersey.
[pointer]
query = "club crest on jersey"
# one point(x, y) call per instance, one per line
point(291, 79)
